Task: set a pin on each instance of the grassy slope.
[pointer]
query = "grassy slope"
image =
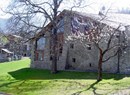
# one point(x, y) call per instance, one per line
point(13, 65)
point(16, 78)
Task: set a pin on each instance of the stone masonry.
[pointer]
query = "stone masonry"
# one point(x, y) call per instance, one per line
point(78, 53)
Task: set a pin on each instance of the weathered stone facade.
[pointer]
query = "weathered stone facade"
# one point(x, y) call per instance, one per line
point(78, 53)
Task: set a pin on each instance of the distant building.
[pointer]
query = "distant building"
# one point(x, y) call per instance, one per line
point(17, 45)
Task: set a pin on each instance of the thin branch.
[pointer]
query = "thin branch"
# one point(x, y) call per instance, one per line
point(44, 11)
point(110, 39)
point(111, 56)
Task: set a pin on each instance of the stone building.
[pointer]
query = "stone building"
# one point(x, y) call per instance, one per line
point(73, 51)
point(18, 45)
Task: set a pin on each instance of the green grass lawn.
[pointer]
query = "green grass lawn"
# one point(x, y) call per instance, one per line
point(16, 78)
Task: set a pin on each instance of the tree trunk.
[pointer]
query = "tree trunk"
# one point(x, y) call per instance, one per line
point(100, 66)
point(54, 52)
point(118, 61)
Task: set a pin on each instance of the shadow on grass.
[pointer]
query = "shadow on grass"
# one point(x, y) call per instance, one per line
point(29, 73)
point(91, 87)
point(7, 84)
point(23, 75)
point(20, 87)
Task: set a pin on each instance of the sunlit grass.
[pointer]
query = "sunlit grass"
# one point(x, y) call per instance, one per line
point(6, 67)
point(17, 78)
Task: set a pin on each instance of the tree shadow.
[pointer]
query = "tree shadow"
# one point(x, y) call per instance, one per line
point(94, 88)
point(19, 87)
point(30, 73)
point(24, 74)
point(7, 84)
point(91, 87)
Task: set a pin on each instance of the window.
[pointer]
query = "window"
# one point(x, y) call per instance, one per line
point(41, 43)
point(60, 26)
point(89, 46)
point(73, 60)
point(51, 57)
point(71, 45)
point(117, 36)
point(60, 51)
point(90, 65)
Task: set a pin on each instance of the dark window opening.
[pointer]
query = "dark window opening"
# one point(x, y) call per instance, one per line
point(25, 54)
point(73, 60)
point(58, 20)
point(117, 36)
point(90, 65)
point(61, 17)
point(71, 45)
point(60, 50)
point(50, 57)
point(89, 47)
point(51, 26)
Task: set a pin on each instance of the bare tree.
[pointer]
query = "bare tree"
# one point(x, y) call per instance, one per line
point(30, 13)
point(109, 42)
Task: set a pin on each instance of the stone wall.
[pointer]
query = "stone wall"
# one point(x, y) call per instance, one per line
point(46, 62)
point(79, 57)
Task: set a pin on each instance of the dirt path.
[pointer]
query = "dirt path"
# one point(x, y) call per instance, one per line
point(1, 93)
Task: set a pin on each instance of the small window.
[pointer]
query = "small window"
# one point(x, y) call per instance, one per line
point(90, 65)
point(73, 60)
point(89, 46)
point(40, 43)
point(50, 57)
point(71, 45)
point(117, 36)
point(60, 51)
point(60, 25)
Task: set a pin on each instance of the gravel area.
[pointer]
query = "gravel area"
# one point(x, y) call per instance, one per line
point(1, 93)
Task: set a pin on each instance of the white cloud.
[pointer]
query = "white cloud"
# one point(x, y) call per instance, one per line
point(3, 5)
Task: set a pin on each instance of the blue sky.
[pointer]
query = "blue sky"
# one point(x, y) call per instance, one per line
point(94, 8)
